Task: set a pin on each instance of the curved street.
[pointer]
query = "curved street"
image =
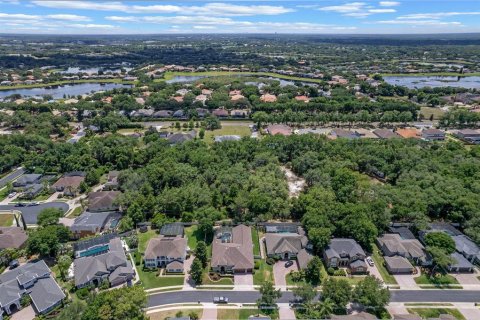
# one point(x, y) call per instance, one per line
point(165, 298)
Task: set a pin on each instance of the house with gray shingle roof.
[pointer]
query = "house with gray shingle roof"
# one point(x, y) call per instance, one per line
point(342, 252)
point(12, 237)
point(284, 245)
point(166, 252)
point(112, 266)
point(398, 264)
point(33, 279)
point(392, 244)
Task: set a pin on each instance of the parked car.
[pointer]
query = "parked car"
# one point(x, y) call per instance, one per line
point(220, 300)
point(289, 263)
point(20, 204)
point(32, 204)
point(13, 264)
point(369, 261)
point(13, 194)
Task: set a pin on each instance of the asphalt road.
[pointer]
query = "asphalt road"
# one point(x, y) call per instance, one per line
point(11, 176)
point(425, 295)
point(30, 214)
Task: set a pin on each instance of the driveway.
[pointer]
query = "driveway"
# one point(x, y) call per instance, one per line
point(209, 312)
point(24, 314)
point(280, 272)
point(188, 283)
point(468, 279)
point(285, 312)
point(406, 281)
point(374, 271)
point(243, 281)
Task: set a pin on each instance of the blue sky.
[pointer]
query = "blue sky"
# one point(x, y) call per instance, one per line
point(176, 17)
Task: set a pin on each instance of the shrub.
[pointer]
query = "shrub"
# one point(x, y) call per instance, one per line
point(330, 271)
point(82, 293)
point(105, 285)
point(256, 265)
point(271, 261)
point(340, 273)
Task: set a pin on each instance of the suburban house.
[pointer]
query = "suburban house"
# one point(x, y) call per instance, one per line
point(303, 258)
point(102, 201)
point(408, 133)
point(347, 253)
point(181, 137)
point(467, 252)
point(220, 113)
point(340, 133)
point(398, 264)
point(112, 181)
point(232, 250)
point(93, 246)
point(112, 266)
point(280, 129)
point(166, 252)
point(69, 184)
point(32, 190)
point(33, 279)
point(268, 98)
point(26, 179)
point(92, 223)
point(469, 135)
point(386, 134)
point(12, 237)
point(433, 135)
point(358, 316)
point(392, 244)
point(284, 245)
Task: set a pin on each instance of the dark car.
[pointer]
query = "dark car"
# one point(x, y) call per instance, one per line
point(20, 204)
point(289, 263)
point(13, 264)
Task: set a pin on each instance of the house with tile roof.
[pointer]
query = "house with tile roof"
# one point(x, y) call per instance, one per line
point(232, 250)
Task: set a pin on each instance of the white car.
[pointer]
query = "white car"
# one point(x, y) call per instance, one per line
point(369, 261)
point(13, 194)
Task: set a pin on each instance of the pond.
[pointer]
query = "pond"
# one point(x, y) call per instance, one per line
point(180, 79)
point(412, 82)
point(76, 70)
point(69, 90)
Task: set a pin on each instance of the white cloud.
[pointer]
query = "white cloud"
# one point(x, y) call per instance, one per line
point(421, 22)
point(382, 10)
point(68, 17)
point(389, 3)
point(437, 15)
point(345, 8)
point(92, 26)
point(83, 5)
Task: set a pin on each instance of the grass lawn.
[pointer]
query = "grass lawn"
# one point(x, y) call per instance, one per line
point(150, 279)
point(242, 131)
point(42, 197)
point(264, 273)
point(290, 282)
point(3, 193)
point(428, 111)
point(441, 281)
point(143, 239)
point(162, 315)
point(6, 220)
point(222, 281)
point(75, 212)
point(436, 312)
point(256, 243)
point(236, 314)
point(193, 236)
point(379, 263)
point(353, 280)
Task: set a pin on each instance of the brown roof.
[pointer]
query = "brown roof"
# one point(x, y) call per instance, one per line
point(303, 258)
point(237, 253)
point(358, 316)
point(409, 133)
point(102, 199)
point(12, 237)
point(268, 98)
point(237, 97)
point(302, 98)
point(220, 113)
point(173, 247)
point(279, 129)
point(178, 98)
point(69, 181)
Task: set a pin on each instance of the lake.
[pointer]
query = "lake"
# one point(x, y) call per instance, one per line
point(180, 79)
point(68, 89)
point(412, 82)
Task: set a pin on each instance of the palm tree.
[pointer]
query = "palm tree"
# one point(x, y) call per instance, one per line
point(325, 308)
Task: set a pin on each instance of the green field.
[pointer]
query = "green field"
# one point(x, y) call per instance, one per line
point(242, 131)
point(162, 315)
point(58, 83)
point(151, 280)
point(3, 193)
point(264, 273)
point(6, 220)
point(427, 313)
point(256, 242)
point(75, 212)
point(143, 239)
point(193, 236)
point(379, 262)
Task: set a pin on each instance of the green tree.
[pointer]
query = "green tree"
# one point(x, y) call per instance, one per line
point(64, 263)
point(269, 295)
point(305, 292)
point(440, 258)
point(196, 271)
point(46, 241)
point(201, 253)
point(49, 216)
point(205, 226)
point(320, 237)
point(123, 303)
point(72, 311)
point(201, 134)
point(313, 272)
point(440, 240)
point(339, 291)
point(212, 123)
point(371, 293)
point(135, 212)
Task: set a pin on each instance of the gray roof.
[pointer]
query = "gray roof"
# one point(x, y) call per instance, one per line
point(237, 253)
point(303, 258)
point(386, 134)
point(180, 137)
point(357, 264)
point(91, 221)
point(465, 245)
point(406, 317)
point(12, 237)
point(393, 244)
point(340, 247)
point(172, 247)
point(44, 293)
point(461, 261)
point(404, 232)
point(27, 179)
point(278, 243)
point(397, 262)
